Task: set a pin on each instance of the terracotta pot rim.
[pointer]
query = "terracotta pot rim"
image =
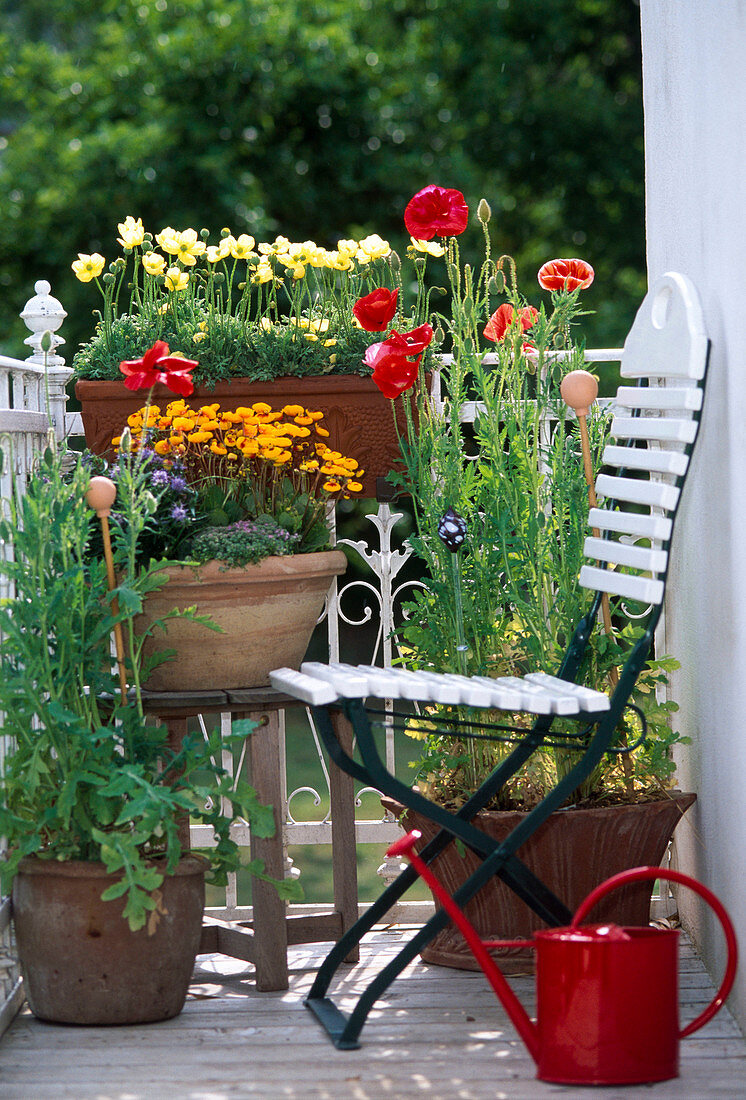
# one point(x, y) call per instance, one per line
point(193, 864)
point(683, 799)
point(319, 562)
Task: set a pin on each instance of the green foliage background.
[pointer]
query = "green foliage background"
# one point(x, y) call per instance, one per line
point(320, 119)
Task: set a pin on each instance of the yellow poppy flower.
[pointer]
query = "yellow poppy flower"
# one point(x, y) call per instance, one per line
point(262, 274)
point(88, 267)
point(176, 279)
point(372, 248)
point(168, 240)
point(132, 232)
point(154, 263)
point(190, 247)
point(242, 247)
point(432, 248)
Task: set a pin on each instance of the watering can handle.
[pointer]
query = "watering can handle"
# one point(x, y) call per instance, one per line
point(637, 874)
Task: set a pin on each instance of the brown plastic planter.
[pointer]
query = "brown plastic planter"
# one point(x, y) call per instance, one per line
point(358, 417)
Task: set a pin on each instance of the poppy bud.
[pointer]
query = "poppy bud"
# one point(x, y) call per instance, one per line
point(496, 285)
point(204, 234)
point(452, 530)
point(108, 277)
point(483, 211)
point(394, 260)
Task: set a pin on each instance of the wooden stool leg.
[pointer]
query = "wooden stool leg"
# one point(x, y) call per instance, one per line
point(177, 729)
point(344, 848)
point(270, 925)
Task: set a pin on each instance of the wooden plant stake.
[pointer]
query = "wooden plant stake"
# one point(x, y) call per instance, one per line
point(100, 496)
point(579, 390)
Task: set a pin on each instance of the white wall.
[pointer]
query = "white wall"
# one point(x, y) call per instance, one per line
point(694, 83)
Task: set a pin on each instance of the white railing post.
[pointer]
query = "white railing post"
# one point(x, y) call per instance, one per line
point(43, 314)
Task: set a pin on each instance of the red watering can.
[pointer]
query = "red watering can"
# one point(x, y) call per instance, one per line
point(607, 997)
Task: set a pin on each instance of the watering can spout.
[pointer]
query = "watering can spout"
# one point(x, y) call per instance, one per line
point(525, 1027)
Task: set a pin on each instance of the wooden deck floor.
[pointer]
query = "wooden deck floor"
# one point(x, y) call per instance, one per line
point(438, 1034)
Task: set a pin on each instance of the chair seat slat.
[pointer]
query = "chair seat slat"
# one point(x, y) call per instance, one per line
point(654, 428)
point(660, 397)
point(620, 553)
point(644, 589)
point(644, 458)
point(631, 523)
point(654, 493)
point(587, 698)
point(308, 689)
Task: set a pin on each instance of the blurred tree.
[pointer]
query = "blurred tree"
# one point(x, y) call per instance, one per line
point(319, 118)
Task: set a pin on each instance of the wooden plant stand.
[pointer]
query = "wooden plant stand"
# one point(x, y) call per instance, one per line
point(264, 940)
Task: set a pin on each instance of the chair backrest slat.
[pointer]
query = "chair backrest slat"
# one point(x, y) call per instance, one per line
point(653, 428)
point(622, 553)
point(631, 523)
point(644, 589)
point(656, 494)
point(645, 458)
point(666, 349)
point(659, 397)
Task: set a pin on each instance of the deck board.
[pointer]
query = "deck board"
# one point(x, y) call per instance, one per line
point(436, 1033)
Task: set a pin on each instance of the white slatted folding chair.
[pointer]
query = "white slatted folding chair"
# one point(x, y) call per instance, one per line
point(652, 437)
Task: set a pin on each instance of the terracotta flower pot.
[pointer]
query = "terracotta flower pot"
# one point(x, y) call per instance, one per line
point(572, 852)
point(80, 961)
point(267, 613)
point(357, 416)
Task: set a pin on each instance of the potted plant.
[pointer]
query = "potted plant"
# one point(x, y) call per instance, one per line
point(94, 801)
point(240, 503)
point(267, 319)
point(511, 487)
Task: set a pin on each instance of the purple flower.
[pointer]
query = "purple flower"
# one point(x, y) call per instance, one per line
point(160, 477)
point(178, 484)
point(178, 512)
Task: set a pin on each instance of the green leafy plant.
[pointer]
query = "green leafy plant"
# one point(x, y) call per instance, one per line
point(86, 776)
point(507, 600)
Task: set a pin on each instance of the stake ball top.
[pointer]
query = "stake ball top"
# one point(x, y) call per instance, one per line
point(100, 495)
point(579, 390)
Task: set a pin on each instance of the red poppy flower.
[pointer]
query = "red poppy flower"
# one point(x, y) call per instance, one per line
point(411, 343)
point(396, 360)
point(436, 211)
point(157, 365)
point(565, 275)
point(393, 373)
point(503, 318)
point(376, 309)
